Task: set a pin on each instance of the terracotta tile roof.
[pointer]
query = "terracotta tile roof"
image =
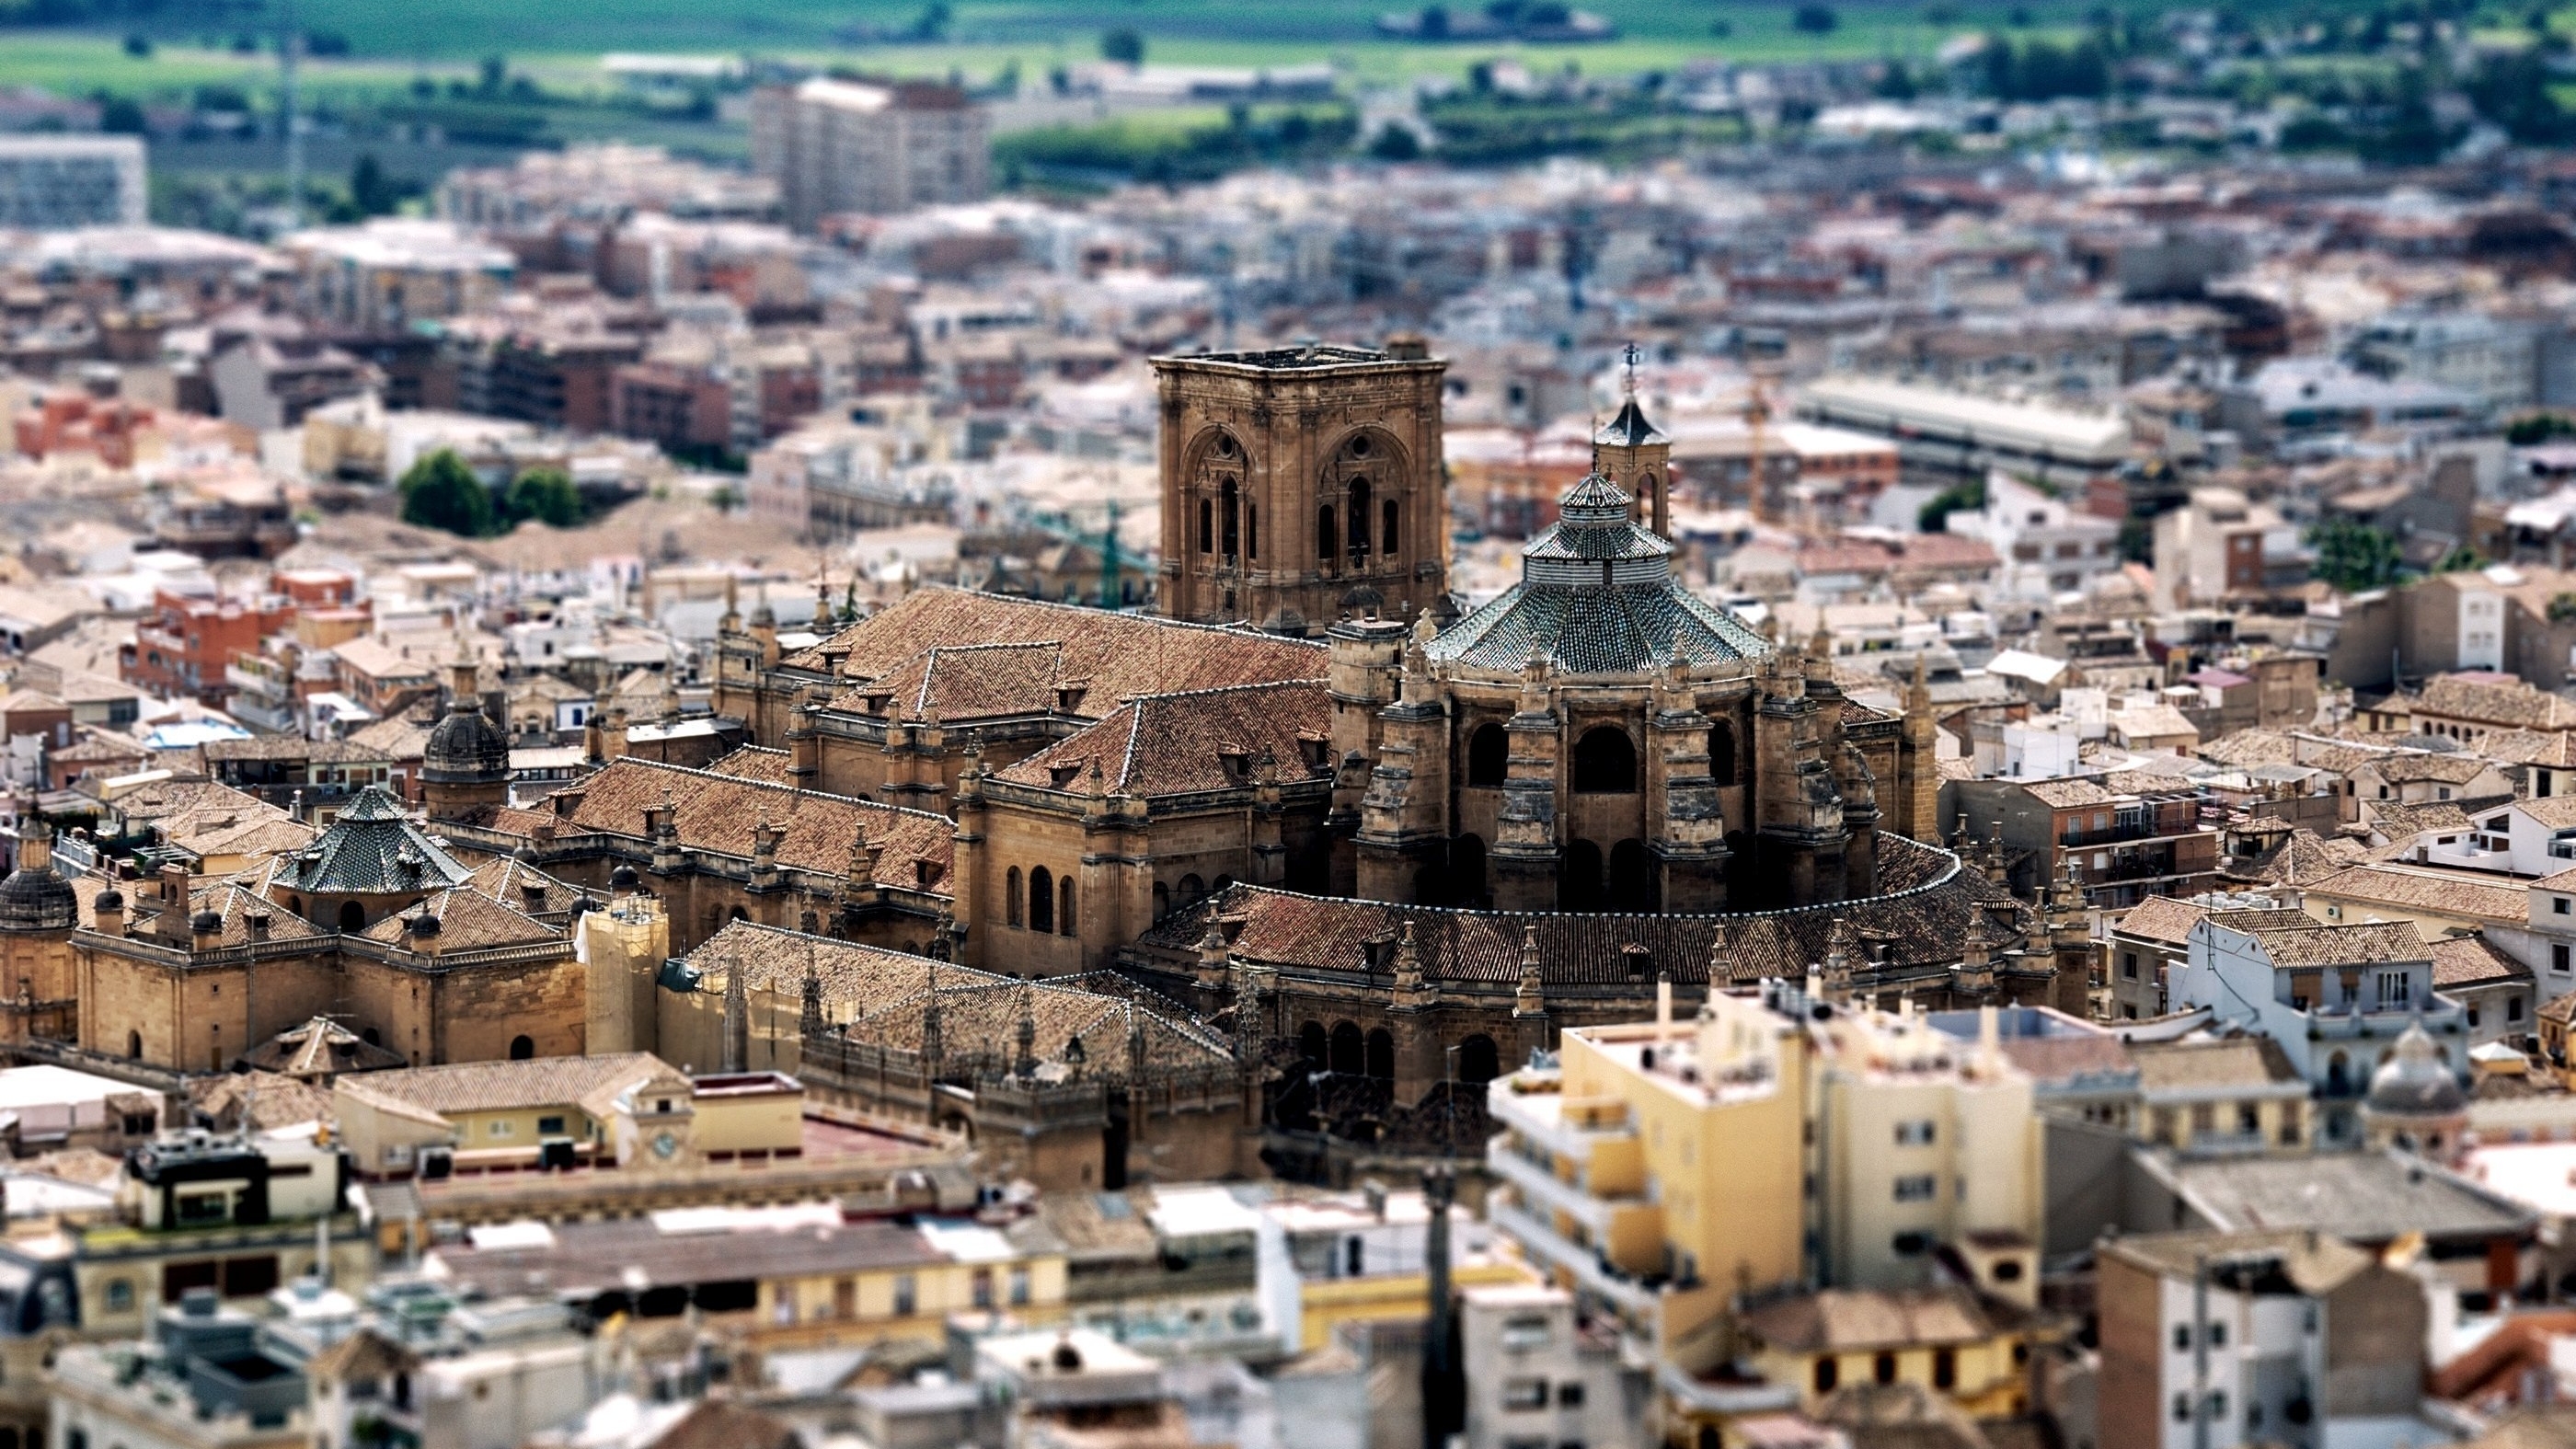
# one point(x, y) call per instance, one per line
point(1210, 739)
point(1849, 1320)
point(275, 1099)
point(2427, 888)
point(1112, 655)
point(2555, 812)
point(2246, 749)
point(2302, 857)
point(468, 920)
point(751, 762)
point(506, 879)
point(239, 898)
point(2514, 705)
point(2161, 918)
point(2293, 939)
point(2553, 748)
point(2242, 1062)
point(718, 813)
point(2064, 793)
point(972, 681)
point(509, 1086)
point(2474, 961)
point(2457, 769)
point(1923, 927)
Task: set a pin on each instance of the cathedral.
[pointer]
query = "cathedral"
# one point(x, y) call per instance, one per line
point(1416, 839)
point(1335, 846)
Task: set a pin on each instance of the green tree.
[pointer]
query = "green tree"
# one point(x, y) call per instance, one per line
point(2460, 560)
point(2532, 428)
point(370, 190)
point(1396, 143)
point(1123, 45)
point(440, 492)
point(546, 495)
point(2352, 556)
point(1936, 514)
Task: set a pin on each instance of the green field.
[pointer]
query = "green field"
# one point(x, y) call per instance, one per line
point(559, 43)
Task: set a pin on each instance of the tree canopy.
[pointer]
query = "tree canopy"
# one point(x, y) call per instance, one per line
point(440, 492)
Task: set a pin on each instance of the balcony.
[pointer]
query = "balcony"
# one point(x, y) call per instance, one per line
point(1544, 1190)
point(1542, 1118)
point(1555, 1250)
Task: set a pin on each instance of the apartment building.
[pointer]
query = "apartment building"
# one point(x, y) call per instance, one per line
point(838, 146)
point(1663, 1167)
point(54, 183)
point(2333, 998)
point(2296, 1338)
point(2043, 545)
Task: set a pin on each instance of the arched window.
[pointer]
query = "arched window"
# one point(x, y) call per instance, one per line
point(737, 914)
point(1326, 551)
point(1381, 1054)
point(1633, 886)
point(1192, 888)
point(1605, 762)
point(1489, 755)
point(1222, 882)
point(1042, 900)
point(522, 1048)
point(1011, 897)
point(134, 1046)
point(372, 1037)
point(1578, 886)
point(1479, 1061)
point(1350, 1052)
point(1467, 871)
point(1207, 526)
point(1233, 513)
point(1313, 1046)
point(1386, 532)
point(1251, 530)
point(1359, 520)
point(1064, 906)
point(353, 917)
point(1721, 753)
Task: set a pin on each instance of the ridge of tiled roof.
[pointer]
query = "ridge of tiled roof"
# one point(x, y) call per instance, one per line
point(1098, 643)
point(718, 813)
point(1165, 744)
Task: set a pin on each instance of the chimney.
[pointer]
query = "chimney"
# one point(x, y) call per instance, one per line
point(107, 912)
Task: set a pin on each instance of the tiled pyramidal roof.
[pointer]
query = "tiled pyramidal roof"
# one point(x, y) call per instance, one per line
point(372, 850)
point(1597, 596)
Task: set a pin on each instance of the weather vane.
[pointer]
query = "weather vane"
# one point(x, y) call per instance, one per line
point(1629, 383)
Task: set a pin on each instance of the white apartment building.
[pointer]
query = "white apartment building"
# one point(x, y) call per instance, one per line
point(2044, 546)
point(1537, 1376)
point(837, 146)
point(55, 183)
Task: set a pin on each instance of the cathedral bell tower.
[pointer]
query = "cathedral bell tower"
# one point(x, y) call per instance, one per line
point(1302, 484)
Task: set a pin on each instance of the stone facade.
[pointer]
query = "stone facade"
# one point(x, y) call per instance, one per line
point(1300, 481)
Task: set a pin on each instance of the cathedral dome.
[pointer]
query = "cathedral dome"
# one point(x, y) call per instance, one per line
point(2416, 1082)
point(1597, 596)
point(465, 747)
point(34, 898)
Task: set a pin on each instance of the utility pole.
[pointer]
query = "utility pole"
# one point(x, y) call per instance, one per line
point(290, 47)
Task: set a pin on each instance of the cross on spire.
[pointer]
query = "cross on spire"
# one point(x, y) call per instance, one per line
point(1630, 354)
